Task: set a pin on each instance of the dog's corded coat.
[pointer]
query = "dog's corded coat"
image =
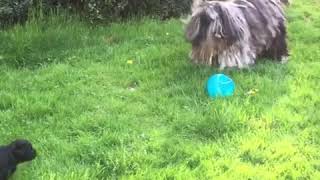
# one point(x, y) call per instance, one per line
point(235, 33)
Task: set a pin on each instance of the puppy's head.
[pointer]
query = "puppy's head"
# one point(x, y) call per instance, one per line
point(22, 150)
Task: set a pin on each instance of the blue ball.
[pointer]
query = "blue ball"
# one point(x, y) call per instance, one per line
point(220, 85)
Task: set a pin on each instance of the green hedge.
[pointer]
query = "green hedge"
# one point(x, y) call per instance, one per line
point(13, 11)
point(108, 10)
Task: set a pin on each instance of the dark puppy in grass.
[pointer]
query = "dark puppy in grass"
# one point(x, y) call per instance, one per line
point(13, 154)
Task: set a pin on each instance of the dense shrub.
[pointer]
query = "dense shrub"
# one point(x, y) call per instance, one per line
point(111, 9)
point(108, 10)
point(13, 11)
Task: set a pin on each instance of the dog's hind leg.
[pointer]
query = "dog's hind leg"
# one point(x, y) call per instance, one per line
point(279, 48)
point(282, 46)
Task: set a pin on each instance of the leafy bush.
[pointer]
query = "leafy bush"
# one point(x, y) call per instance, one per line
point(109, 10)
point(13, 11)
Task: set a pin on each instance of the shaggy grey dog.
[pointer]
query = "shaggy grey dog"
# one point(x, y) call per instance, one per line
point(235, 33)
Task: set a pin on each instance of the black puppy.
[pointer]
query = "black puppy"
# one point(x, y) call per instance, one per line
point(13, 154)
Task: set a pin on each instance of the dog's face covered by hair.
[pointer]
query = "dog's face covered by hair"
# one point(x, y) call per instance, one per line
point(212, 30)
point(234, 33)
point(13, 154)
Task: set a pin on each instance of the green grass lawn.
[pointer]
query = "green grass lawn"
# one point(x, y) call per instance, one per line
point(123, 101)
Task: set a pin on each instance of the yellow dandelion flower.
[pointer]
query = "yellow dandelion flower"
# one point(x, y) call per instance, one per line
point(252, 92)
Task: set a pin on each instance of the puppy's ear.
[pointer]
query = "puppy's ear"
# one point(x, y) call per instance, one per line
point(231, 29)
point(17, 149)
